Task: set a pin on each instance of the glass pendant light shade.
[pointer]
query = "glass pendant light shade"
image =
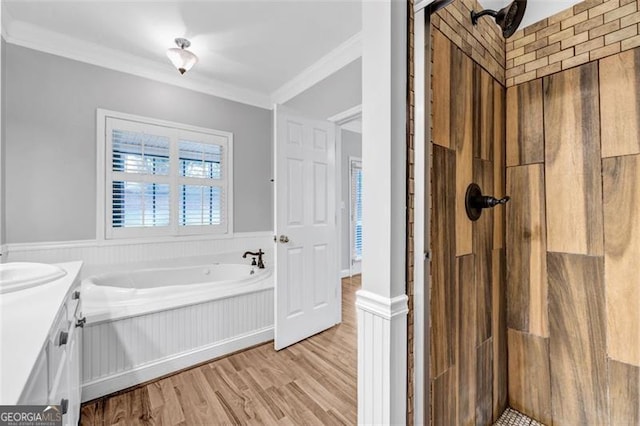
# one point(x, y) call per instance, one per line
point(181, 58)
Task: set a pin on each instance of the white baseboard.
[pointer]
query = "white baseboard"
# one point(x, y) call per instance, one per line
point(107, 385)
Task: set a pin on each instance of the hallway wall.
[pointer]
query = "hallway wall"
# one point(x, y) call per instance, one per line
point(573, 240)
point(468, 313)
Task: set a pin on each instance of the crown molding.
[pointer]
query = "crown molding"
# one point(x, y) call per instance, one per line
point(350, 119)
point(354, 126)
point(341, 56)
point(346, 116)
point(30, 36)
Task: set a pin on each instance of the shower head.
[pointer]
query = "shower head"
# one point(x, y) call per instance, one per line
point(508, 18)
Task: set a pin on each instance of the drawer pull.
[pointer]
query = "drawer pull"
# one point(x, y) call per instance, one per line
point(75, 295)
point(63, 338)
point(64, 405)
point(81, 322)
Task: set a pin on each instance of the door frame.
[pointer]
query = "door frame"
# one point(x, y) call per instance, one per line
point(422, 201)
point(343, 120)
point(352, 269)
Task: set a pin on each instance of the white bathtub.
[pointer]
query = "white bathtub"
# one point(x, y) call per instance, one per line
point(146, 323)
point(118, 295)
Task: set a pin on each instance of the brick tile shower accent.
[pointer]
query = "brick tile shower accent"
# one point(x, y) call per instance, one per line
point(588, 31)
point(483, 43)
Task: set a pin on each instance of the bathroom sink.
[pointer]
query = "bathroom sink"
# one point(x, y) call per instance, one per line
point(16, 276)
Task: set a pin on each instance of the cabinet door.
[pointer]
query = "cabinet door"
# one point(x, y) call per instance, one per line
point(36, 390)
point(74, 371)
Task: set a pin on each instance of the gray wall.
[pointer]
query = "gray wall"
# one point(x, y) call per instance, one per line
point(51, 142)
point(336, 93)
point(351, 146)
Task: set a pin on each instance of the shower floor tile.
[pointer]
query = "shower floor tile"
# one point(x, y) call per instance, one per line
point(512, 417)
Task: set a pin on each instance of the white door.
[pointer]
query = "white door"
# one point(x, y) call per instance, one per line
point(307, 277)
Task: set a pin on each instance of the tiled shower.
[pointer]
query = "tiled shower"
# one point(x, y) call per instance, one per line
point(536, 310)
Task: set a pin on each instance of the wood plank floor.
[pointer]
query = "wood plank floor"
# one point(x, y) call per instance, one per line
point(311, 382)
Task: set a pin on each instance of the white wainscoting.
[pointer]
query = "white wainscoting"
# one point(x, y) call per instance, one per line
point(96, 253)
point(122, 353)
point(382, 358)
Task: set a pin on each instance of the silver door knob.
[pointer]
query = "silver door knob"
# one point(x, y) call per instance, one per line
point(284, 239)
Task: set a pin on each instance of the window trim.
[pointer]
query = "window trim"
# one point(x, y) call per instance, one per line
point(103, 230)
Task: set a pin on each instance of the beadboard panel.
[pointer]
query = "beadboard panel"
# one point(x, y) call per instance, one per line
point(382, 358)
point(115, 348)
point(96, 253)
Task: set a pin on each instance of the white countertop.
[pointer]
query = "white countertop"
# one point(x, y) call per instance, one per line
point(26, 316)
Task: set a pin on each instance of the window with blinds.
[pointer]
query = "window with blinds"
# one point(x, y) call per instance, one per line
point(162, 179)
point(356, 211)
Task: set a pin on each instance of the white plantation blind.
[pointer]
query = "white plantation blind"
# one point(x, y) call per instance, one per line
point(165, 180)
point(356, 211)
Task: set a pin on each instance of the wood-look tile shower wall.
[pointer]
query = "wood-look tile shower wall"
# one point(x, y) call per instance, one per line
point(573, 244)
point(468, 312)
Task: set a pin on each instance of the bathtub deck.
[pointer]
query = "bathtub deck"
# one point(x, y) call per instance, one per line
point(311, 382)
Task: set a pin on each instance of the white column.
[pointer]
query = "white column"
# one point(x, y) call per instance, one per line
point(382, 302)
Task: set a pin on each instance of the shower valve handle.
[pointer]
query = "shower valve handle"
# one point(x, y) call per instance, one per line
point(475, 201)
point(488, 201)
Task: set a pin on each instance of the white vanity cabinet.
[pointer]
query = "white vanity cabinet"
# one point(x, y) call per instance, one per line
point(48, 372)
point(63, 359)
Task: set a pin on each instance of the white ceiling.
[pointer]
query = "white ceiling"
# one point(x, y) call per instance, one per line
point(254, 51)
point(255, 46)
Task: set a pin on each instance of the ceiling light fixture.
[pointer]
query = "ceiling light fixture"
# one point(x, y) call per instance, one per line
point(180, 57)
